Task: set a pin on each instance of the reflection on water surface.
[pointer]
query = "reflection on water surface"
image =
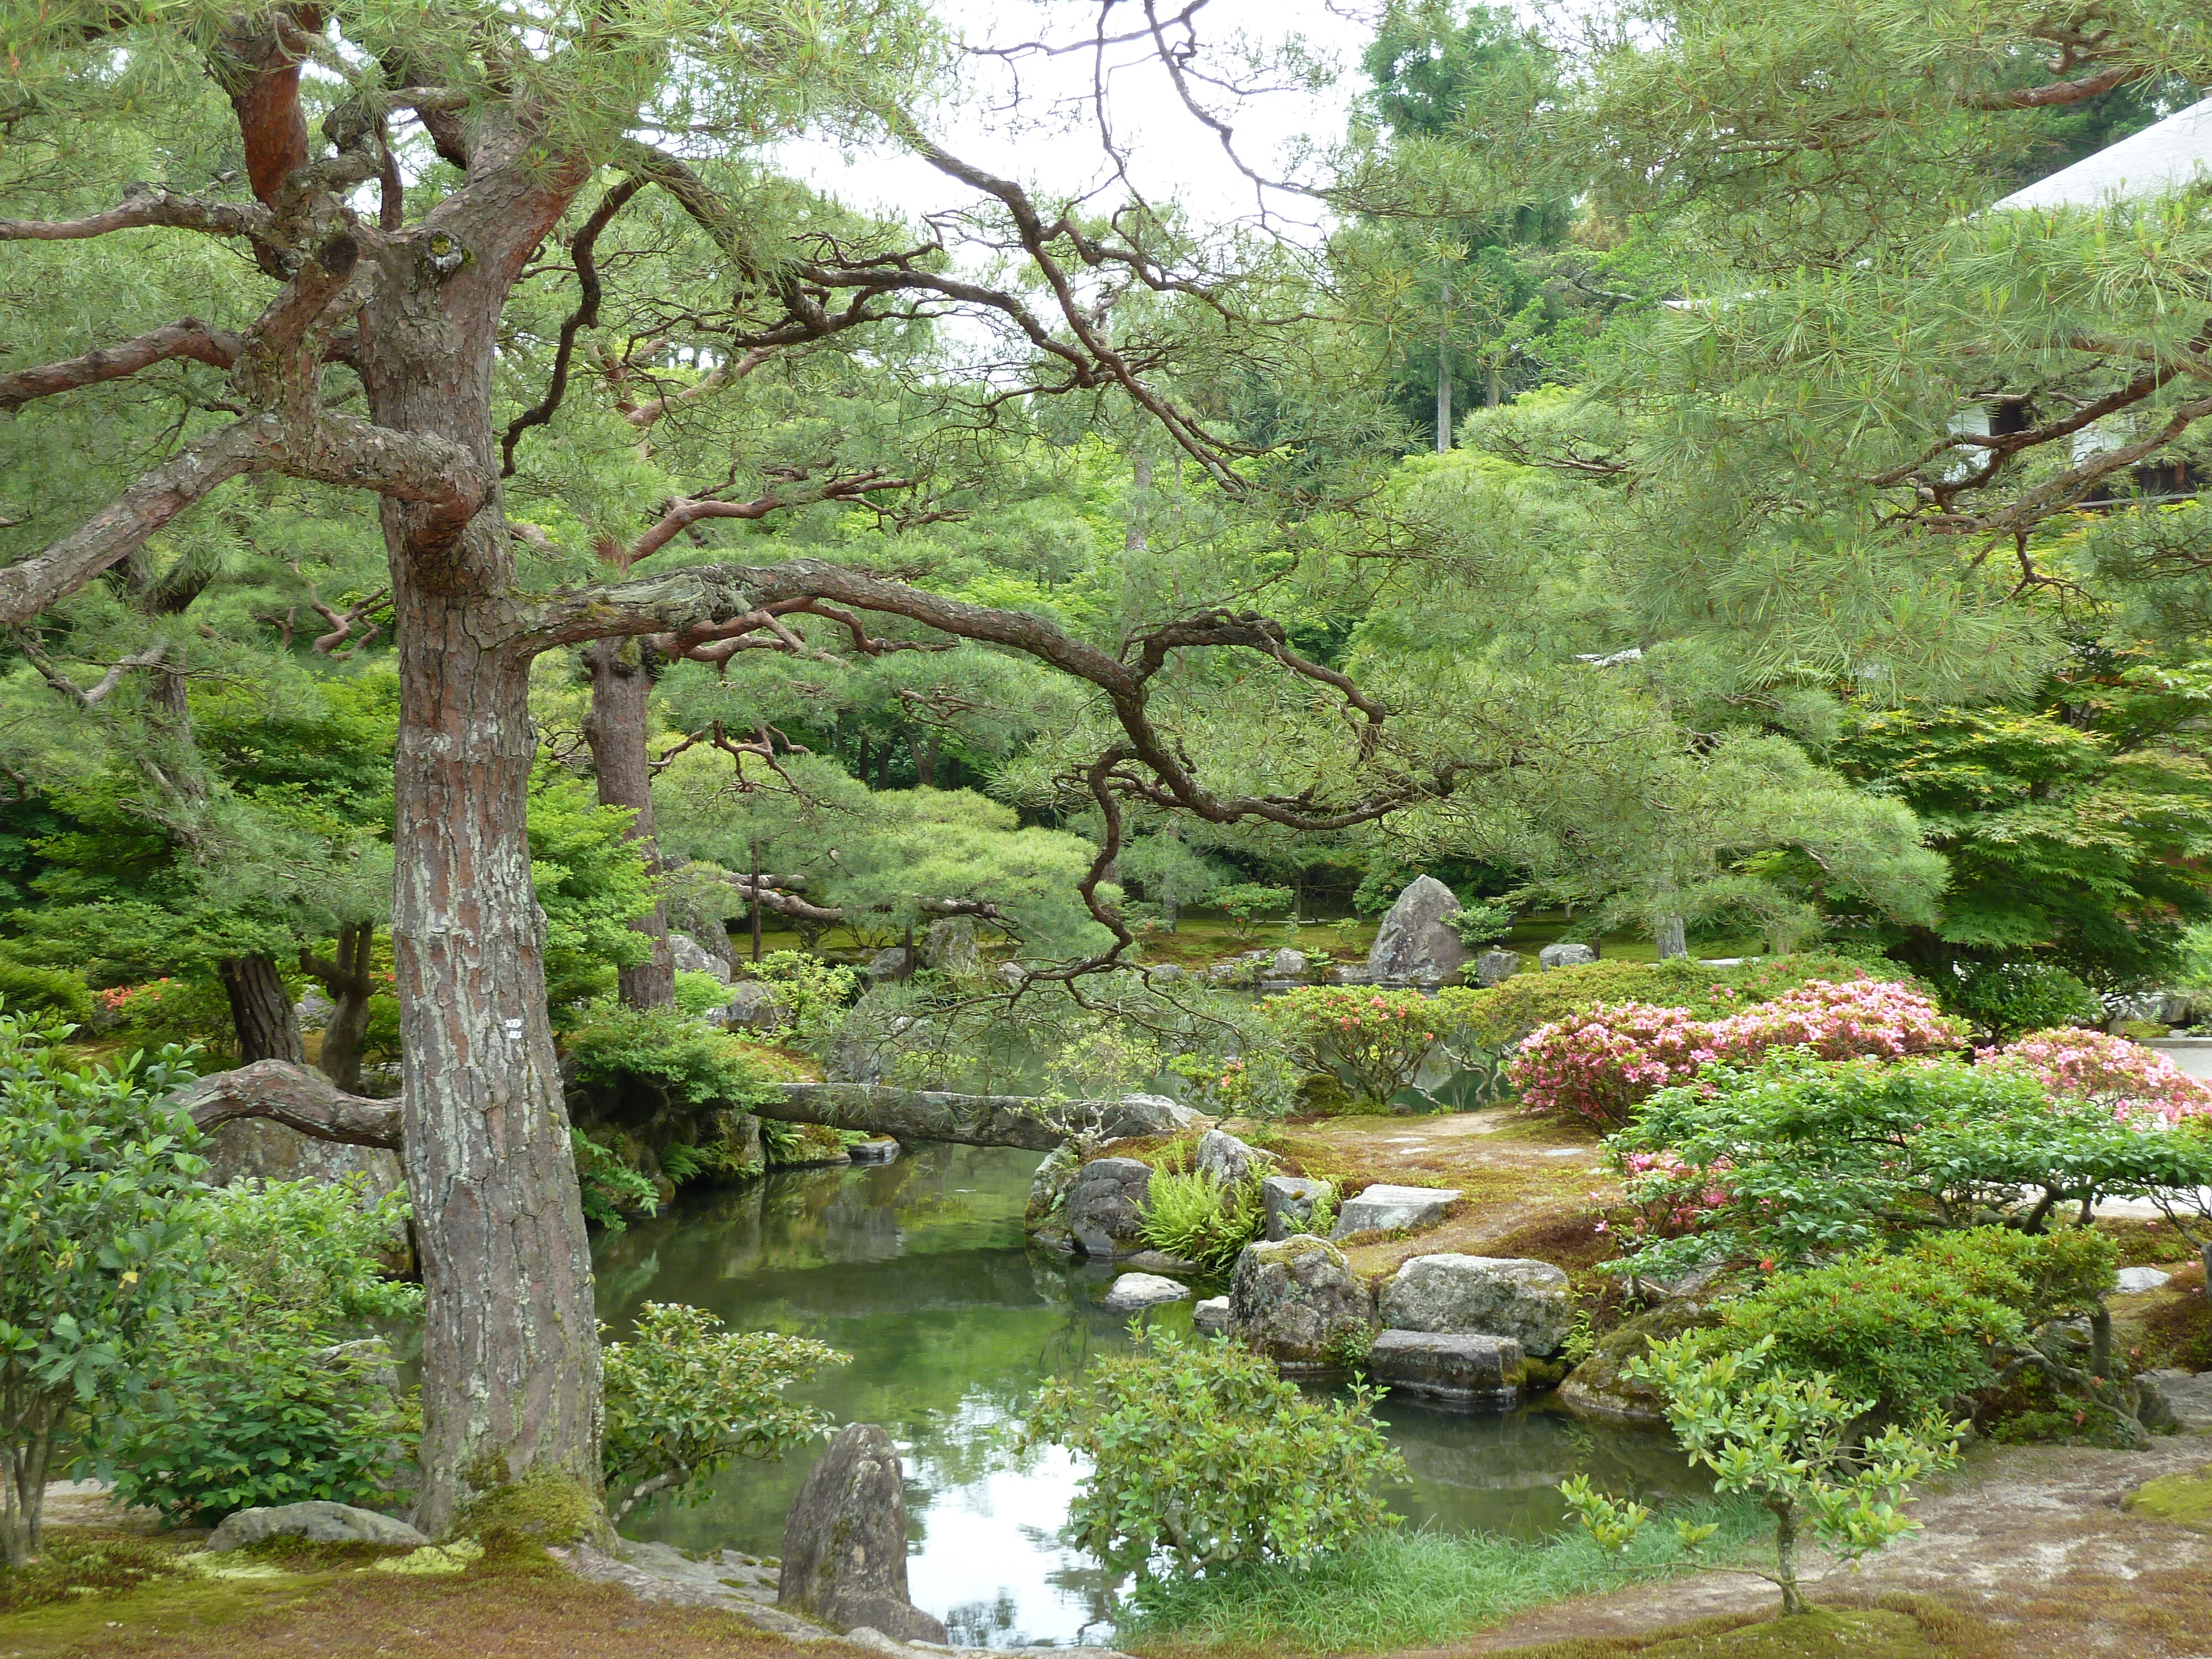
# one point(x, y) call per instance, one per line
point(918, 1271)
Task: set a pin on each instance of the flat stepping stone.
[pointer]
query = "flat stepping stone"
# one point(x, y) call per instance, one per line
point(1210, 1315)
point(1382, 1209)
point(2134, 1280)
point(1459, 1370)
point(1132, 1292)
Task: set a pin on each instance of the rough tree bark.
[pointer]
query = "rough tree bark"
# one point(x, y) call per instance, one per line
point(617, 730)
point(509, 1322)
point(260, 1009)
point(346, 980)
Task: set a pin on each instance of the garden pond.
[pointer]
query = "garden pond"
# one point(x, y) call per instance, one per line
point(919, 1270)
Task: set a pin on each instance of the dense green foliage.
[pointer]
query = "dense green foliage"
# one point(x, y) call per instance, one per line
point(272, 1392)
point(1190, 1214)
point(1786, 1440)
point(99, 1247)
point(685, 1399)
point(1199, 1452)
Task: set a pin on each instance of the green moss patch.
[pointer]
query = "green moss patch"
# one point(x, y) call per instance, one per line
point(2184, 1499)
point(543, 1508)
point(96, 1564)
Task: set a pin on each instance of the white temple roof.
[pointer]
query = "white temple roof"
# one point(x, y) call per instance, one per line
point(2159, 160)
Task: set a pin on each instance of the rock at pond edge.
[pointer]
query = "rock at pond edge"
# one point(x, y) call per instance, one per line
point(844, 1541)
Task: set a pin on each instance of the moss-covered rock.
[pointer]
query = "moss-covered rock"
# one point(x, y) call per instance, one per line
point(2184, 1499)
point(1598, 1389)
point(1298, 1301)
point(543, 1508)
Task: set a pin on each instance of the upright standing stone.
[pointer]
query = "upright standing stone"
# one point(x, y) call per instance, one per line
point(1227, 1161)
point(1413, 943)
point(1288, 1202)
point(950, 947)
point(1565, 954)
point(1299, 1303)
point(844, 1543)
point(692, 958)
point(1495, 967)
point(1106, 1206)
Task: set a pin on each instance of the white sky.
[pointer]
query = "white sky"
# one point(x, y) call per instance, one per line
point(1052, 144)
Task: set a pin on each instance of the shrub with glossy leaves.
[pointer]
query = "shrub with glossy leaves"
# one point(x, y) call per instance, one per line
point(265, 1395)
point(100, 1225)
point(2007, 997)
point(816, 992)
point(685, 1398)
point(2131, 1080)
point(1199, 1452)
point(1784, 1439)
point(1809, 1159)
point(1373, 1040)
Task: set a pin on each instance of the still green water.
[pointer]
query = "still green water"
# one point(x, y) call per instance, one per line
point(918, 1269)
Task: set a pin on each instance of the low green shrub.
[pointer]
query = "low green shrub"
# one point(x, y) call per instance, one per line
point(698, 994)
point(1375, 1040)
point(2005, 998)
point(1191, 1215)
point(685, 1399)
point(262, 1396)
point(1199, 1452)
point(255, 1413)
point(101, 1218)
point(611, 1190)
point(816, 992)
point(1501, 1014)
point(670, 1057)
point(1784, 1440)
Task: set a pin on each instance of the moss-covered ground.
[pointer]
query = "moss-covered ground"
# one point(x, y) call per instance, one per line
point(338, 1602)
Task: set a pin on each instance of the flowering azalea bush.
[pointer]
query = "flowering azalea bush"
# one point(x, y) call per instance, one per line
point(1664, 1197)
point(1375, 1040)
point(2136, 1082)
point(1601, 1065)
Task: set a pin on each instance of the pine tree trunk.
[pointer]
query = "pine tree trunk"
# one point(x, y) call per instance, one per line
point(510, 1348)
point(616, 729)
point(1672, 937)
point(260, 1010)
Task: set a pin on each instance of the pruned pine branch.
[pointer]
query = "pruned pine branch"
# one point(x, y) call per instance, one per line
point(294, 1097)
point(693, 605)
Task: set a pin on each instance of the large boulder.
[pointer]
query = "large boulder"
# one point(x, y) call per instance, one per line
point(1496, 966)
point(1147, 1114)
point(1133, 1292)
point(1298, 1301)
point(1564, 954)
point(1386, 1209)
point(1288, 1202)
point(844, 1541)
point(1481, 1296)
point(2175, 1400)
point(1596, 1388)
point(896, 962)
point(1464, 1371)
point(1287, 963)
point(693, 958)
point(950, 947)
point(1229, 1162)
point(753, 1006)
point(1106, 1206)
point(317, 1521)
point(1413, 942)
point(261, 1149)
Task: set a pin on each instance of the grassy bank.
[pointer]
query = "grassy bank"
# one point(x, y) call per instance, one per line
point(1400, 1589)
